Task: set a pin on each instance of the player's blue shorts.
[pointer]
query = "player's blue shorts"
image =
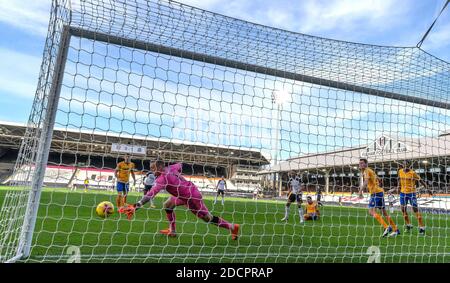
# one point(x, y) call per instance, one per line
point(408, 198)
point(122, 187)
point(377, 200)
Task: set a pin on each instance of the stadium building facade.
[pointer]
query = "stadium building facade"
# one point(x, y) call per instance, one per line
point(337, 171)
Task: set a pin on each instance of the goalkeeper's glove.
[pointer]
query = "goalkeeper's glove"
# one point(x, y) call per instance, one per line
point(129, 210)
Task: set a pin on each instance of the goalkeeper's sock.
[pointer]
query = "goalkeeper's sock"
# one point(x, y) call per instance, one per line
point(222, 223)
point(171, 217)
point(420, 219)
point(392, 223)
point(124, 200)
point(380, 220)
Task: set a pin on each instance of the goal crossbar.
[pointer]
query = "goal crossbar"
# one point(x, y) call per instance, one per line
point(186, 54)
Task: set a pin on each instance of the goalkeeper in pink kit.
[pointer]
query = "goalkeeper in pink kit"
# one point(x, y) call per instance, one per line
point(183, 192)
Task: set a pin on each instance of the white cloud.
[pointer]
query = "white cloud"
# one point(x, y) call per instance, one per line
point(348, 20)
point(31, 16)
point(312, 16)
point(18, 73)
point(205, 4)
point(347, 8)
point(438, 38)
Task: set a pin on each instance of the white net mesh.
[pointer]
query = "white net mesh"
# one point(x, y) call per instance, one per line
point(225, 98)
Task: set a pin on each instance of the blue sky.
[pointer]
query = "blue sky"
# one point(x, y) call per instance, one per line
point(23, 27)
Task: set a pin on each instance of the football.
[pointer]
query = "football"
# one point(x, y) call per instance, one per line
point(104, 209)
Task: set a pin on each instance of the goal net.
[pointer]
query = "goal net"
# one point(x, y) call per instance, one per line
point(270, 111)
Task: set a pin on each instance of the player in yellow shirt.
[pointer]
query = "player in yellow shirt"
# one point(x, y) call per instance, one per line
point(376, 199)
point(123, 171)
point(312, 210)
point(86, 184)
point(407, 183)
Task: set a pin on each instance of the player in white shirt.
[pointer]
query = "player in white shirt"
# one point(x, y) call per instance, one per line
point(391, 200)
point(294, 195)
point(255, 194)
point(221, 188)
point(149, 181)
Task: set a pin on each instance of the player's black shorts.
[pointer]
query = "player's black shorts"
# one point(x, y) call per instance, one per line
point(147, 188)
point(295, 197)
point(319, 197)
point(220, 192)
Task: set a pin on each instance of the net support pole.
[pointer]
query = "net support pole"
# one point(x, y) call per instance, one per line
point(277, 130)
point(280, 184)
point(45, 141)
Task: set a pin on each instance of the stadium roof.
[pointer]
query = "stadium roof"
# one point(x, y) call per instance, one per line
point(96, 143)
point(384, 149)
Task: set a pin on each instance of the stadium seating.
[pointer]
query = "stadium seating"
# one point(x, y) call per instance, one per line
point(231, 186)
point(203, 183)
point(58, 175)
point(6, 169)
point(98, 178)
point(55, 175)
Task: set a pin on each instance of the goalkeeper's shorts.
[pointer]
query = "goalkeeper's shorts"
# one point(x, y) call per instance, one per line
point(195, 205)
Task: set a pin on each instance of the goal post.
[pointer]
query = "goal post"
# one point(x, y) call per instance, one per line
point(161, 79)
point(33, 153)
point(45, 140)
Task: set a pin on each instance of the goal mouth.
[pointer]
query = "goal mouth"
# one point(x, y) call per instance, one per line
point(243, 122)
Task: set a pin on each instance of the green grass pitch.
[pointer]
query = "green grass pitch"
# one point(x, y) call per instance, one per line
point(343, 234)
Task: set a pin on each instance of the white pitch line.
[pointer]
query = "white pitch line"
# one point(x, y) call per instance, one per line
point(230, 255)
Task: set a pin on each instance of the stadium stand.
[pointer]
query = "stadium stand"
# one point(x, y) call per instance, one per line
point(58, 176)
point(91, 154)
point(98, 178)
point(203, 183)
point(245, 179)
